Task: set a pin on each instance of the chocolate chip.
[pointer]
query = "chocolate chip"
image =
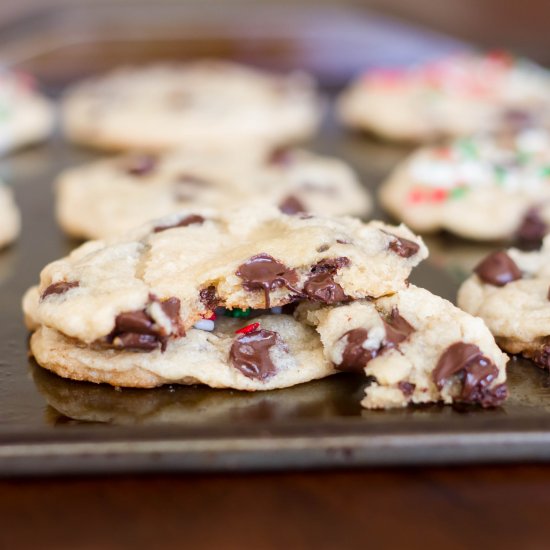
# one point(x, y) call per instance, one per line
point(188, 220)
point(281, 157)
point(532, 229)
point(190, 179)
point(330, 264)
point(59, 288)
point(209, 298)
point(291, 205)
point(542, 357)
point(498, 269)
point(476, 372)
point(135, 341)
point(137, 330)
point(140, 165)
point(397, 329)
point(403, 247)
point(341, 241)
point(321, 287)
point(355, 357)
point(171, 308)
point(250, 354)
point(323, 248)
point(263, 272)
point(548, 294)
point(406, 387)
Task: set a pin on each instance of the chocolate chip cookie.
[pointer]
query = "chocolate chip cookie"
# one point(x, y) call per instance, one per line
point(110, 196)
point(201, 105)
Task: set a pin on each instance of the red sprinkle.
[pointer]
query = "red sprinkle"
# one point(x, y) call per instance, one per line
point(439, 195)
point(443, 152)
point(249, 328)
point(212, 317)
point(416, 195)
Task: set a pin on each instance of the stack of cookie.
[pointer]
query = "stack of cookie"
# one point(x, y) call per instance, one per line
point(256, 299)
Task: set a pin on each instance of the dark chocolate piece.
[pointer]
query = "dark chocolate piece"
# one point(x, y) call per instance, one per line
point(532, 229)
point(397, 329)
point(321, 287)
point(355, 357)
point(59, 288)
point(406, 387)
point(250, 354)
point(476, 372)
point(291, 205)
point(209, 298)
point(263, 272)
point(498, 269)
point(542, 357)
point(140, 165)
point(403, 247)
point(281, 156)
point(184, 222)
point(136, 330)
point(133, 341)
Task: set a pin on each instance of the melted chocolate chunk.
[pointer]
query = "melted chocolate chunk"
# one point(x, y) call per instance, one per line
point(320, 287)
point(406, 387)
point(59, 288)
point(133, 341)
point(291, 205)
point(209, 298)
point(135, 321)
point(137, 330)
point(476, 372)
point(355, 357)
point(281, 157)
point(140, 165)
point(532, 229)
point(498, 269)
point(263, 272)
point(188, 220)
point(403, 247)
point(542, 357)
point(250, 354)
point(397, 329)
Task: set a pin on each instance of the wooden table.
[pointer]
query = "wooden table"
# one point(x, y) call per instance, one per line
point(463, 508)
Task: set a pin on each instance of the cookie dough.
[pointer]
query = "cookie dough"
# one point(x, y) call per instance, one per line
point(509, 290)
point(417, 347)
point(202, 105)
point(453, 96)
point(10, 219)
point(113, 195)
point(451, 187)
point(26, 116)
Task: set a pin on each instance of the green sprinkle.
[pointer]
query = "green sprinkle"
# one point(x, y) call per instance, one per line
point(545, 172)
point(458, 192)
point(467, 148)
point(500, 173)
point(523, 157)
point(238, 312)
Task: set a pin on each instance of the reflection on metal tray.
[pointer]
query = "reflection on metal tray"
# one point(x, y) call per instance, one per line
point(51, 425)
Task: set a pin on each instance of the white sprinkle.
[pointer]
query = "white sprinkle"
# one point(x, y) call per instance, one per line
point(204, 324)
point(277, 310)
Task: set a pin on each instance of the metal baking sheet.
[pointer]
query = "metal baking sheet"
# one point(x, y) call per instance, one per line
point(49, 425)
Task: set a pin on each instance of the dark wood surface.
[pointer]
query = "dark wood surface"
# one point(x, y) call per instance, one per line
point(505, 507)
point(462, 508)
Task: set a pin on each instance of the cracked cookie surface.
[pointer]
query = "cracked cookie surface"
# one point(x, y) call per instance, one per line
point(416, 347)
